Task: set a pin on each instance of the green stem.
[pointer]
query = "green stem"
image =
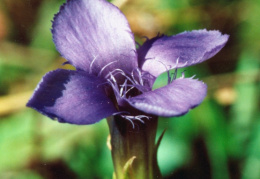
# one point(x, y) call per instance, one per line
point(134, 151)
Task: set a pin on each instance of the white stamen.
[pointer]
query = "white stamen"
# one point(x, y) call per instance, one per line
point(139, 118)
point(123, 87)
point(168, 71)
point(123, 73)
point(133, 76)
point(105, 67)
point(130, 121)
point(127, 91)
point(113, 78)
point(170, 79)
point(182, 75)
point(140, 76)
point(91, 64)
point(183, 64)
point(113, 83)
point(192, 76)
point(177, 62)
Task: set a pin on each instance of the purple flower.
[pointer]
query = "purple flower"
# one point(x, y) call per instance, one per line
point(111, 76)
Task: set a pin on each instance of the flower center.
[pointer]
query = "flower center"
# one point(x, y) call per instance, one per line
point(134, 84)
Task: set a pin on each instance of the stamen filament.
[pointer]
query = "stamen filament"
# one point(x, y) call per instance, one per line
point(91, 64)
point(105, 67)
point(131, 118)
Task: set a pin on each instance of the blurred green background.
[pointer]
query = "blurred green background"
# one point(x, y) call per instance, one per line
point(220, 139)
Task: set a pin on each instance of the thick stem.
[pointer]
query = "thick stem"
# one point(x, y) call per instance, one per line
point(134, 151)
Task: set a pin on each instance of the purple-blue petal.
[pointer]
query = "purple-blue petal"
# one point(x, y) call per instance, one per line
point(161, 53)
point(175, 99)
point(72, 97)
point(91, 34)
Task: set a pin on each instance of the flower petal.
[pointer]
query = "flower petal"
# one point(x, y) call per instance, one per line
point(160, 54)
point(91, 34)
point(175, 99)
point(71, 97)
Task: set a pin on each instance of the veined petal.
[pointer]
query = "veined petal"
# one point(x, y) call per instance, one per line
point(71, 97)
point(175, 99)
point(161, 53)
point(94, 34)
